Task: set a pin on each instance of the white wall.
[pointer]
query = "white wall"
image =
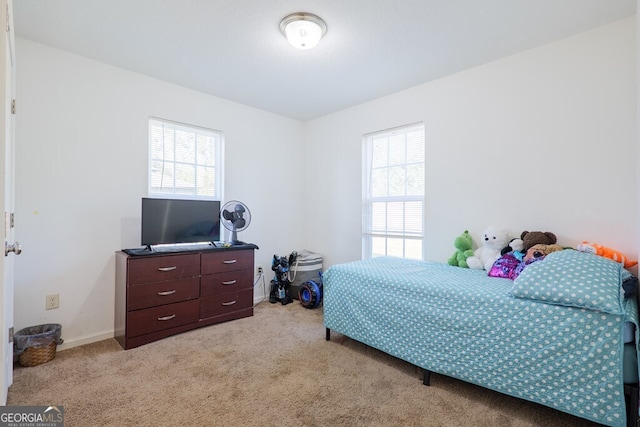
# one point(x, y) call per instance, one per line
point(81, 169)
point(542, 140)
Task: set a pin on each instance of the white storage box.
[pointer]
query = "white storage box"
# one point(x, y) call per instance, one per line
point(307, 266)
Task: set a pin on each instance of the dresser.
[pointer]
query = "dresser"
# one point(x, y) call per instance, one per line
point(162, 294)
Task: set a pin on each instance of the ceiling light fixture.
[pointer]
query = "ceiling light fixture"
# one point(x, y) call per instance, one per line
point(303, 30)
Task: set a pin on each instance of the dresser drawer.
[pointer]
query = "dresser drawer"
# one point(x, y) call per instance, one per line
point(154, 319)
point(161, 293)
point(156, 269)
point(219, 262)
point(218, 305)
point(222, 283)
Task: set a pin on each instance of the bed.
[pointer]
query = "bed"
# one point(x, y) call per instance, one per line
point(563, 334)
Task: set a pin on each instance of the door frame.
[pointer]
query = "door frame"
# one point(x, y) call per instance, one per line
point(7, 198)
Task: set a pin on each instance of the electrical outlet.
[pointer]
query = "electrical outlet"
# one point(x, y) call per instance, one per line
point(260, 271)
point(52, 301)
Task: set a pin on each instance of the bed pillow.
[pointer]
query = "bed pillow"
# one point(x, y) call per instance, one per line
point(575, 279)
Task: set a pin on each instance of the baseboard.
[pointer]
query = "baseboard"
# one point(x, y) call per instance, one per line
point(67, 344)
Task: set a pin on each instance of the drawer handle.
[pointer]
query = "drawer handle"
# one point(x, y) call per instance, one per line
point(230, 261)
point(166, 317)
point(229, 303)
point(229, 282)
point(165, 293)
point(167, 268)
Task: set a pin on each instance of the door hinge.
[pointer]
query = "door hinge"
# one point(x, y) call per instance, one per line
point(11, 334)
point(12, 220)
point(13, 106)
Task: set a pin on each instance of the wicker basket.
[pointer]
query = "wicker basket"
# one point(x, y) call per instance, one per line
point(38, 355)
point(36, 344)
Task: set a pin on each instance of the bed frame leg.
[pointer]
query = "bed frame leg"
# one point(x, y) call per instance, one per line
point(327, 334)
point(426, 377)
point(632, 404)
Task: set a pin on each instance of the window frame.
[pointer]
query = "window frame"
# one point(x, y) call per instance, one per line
point(174, 192)
point(368, 200)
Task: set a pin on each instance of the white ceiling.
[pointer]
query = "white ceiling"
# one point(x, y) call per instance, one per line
point(233, 49)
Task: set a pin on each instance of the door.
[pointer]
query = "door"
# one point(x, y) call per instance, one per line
point(7, 89)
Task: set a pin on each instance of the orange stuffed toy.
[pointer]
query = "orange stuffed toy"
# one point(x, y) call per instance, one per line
point(606, 252)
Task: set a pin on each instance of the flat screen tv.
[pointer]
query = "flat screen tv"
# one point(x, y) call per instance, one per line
point(172, 221)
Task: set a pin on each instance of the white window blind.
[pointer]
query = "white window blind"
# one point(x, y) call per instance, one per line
point(184, 161)
point(393, 193)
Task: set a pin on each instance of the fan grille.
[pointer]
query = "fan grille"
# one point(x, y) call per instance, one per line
point(235, 216)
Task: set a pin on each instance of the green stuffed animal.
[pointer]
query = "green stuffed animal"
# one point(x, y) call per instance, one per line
point(464, 250)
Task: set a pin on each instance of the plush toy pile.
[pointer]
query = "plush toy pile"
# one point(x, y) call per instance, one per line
point(501, 256)
point(504, 257)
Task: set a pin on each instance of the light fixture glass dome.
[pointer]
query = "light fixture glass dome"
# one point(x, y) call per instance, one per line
point(303, 30)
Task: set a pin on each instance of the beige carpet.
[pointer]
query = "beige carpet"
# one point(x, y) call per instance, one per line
point(272, 369)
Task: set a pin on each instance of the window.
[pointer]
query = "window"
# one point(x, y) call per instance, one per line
point(184, 161)
point(393, 193)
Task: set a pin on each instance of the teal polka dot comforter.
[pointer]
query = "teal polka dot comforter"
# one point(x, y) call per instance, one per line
point(491, 331)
